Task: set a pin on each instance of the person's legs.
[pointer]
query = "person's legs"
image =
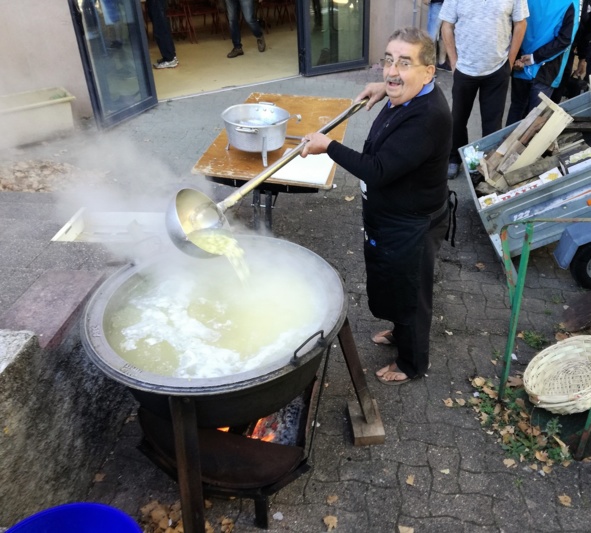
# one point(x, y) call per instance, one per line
point(433, 22)
point(534, 92)
point(248, 12)
point(493, 97)
point(463, 93)
point(412, 340)
point(156, 10)
point(520, 91)
point(233, 12)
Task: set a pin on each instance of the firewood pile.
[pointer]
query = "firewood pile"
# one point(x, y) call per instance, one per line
point(546, 145)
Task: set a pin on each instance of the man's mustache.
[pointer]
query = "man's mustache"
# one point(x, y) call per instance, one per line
point(395, 79)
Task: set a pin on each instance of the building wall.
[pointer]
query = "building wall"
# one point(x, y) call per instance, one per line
point(388, 15)
point(40, 50)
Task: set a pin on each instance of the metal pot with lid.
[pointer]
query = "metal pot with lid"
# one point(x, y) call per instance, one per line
point(258, 127)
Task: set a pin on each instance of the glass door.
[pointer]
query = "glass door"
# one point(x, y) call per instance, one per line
point(113, 46)
point(333, 35)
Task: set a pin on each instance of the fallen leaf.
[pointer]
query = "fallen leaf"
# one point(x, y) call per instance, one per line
point(99, 477)
point(563, 447)
point(445, 471)
point(494, 362)
point(448, 402)
point(461, 401)
point(509, 463)
point(534, 466)
point(565, 500)
point(227, 525)
point(410, 480)
point(514, 381)
point(561, 336)
point(547, 469)
point(208, 528)
point(520, 335)
point(332, 498)
point(520, 402)
point(349, 198)
point(478, 381)
point(330, 522)
point(480, 266)
point(490, 392)
point(404, 529)
point(208, 504)
point(541, 456)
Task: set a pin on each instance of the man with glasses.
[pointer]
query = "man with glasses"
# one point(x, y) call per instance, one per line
point(482, 40)
point(403, 173)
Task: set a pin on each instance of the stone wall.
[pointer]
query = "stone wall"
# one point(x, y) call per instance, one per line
point(59, 418)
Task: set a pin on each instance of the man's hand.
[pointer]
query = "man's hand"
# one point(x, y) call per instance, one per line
point(527, 59)
point(316, 143)
point(376, 92)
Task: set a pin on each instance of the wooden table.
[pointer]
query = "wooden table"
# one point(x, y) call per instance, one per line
point(233, 167)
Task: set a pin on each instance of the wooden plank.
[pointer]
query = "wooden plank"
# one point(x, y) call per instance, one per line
point(530, 171)
point(511, 156)
point(236, 164)
point(539, 144)
point(521, 128)
point(365, 434)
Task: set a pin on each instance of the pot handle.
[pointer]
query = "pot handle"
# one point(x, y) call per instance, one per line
point(243, 129)
point(322, 342)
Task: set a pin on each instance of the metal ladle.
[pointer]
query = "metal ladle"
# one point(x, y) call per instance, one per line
point(192, 210)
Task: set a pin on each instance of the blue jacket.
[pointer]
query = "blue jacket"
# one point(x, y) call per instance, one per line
point(551, 29)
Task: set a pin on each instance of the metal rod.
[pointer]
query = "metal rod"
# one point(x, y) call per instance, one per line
point(251, 184)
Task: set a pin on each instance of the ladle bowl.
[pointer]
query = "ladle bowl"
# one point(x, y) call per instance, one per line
point(192, 210)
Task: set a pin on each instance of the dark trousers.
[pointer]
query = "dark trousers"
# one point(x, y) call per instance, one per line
point(492, 95)
point(412, 339)
point(524, 97)
point(248, 8)
point(156, 10)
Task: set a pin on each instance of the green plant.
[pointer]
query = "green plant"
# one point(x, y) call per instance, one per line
point(534, 340)
point(511, 421)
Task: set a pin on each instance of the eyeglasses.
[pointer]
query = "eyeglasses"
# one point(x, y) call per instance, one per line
point(401, 64)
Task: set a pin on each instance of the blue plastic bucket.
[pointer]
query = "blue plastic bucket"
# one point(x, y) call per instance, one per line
point(77, 518)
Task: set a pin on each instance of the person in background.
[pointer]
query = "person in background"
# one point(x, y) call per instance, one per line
point(551, 29)
point(402, 170)
point(433, 27)
point(573, 81)
point(482, 41)
point(233, 9)
point(156, 10)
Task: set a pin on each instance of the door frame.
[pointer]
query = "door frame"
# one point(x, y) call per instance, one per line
point(107, 121)
point(305, 49)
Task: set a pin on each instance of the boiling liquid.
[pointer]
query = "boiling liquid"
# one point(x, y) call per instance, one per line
point(204, 323)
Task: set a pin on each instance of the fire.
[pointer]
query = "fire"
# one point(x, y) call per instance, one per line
point(225, 430)
point(263, 431)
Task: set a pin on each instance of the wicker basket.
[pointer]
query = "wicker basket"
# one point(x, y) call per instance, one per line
point(559, 377)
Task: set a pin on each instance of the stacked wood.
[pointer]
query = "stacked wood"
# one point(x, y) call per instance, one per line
point(525, 144)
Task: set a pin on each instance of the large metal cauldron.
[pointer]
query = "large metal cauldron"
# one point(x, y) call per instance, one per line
point(234, 399)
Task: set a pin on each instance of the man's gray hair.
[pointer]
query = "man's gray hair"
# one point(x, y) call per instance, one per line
point(417, 36)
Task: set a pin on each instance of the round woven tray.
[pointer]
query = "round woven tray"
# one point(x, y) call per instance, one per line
point(559, 377)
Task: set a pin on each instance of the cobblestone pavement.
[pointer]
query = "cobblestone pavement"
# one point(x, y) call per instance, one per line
point(460, 480)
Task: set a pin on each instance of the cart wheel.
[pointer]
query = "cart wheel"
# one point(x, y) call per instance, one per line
point(580, 266)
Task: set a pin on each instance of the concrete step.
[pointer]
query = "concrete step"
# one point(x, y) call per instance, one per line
point(52, 305)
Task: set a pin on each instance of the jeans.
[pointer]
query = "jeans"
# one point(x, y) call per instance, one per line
point(433, 22)
point(492, 91)
point(524, 97)
point(233, 7)
point(156, 10)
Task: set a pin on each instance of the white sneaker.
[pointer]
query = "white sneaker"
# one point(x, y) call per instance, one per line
point(452, 170)
point(161, 63)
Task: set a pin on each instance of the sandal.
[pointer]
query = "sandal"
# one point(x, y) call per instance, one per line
point(384, 337)
point(395, 370)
